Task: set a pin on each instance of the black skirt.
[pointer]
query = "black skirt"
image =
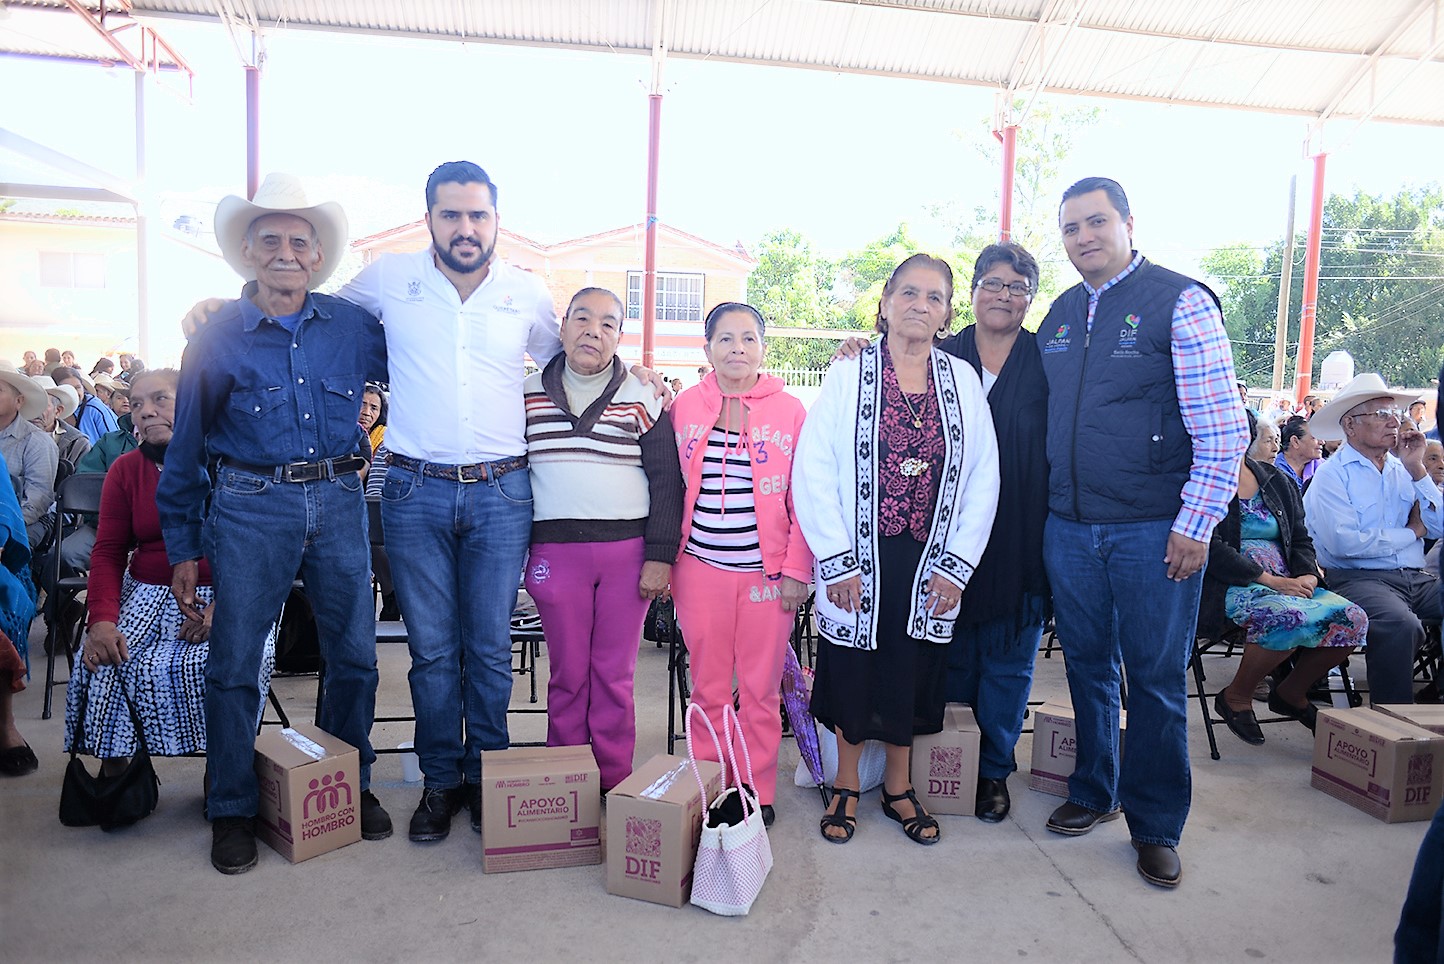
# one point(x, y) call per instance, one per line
point(897, 690)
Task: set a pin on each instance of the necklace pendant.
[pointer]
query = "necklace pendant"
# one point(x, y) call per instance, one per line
point(912, 467)
point(917, 423)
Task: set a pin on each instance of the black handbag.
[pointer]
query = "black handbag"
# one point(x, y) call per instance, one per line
point(661, 624)
point(109, 802)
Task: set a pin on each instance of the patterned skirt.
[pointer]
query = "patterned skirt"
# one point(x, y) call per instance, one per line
point(1278, 622)
point(165, 677)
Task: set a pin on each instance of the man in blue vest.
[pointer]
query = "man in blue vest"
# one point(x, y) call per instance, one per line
point(1145, 432)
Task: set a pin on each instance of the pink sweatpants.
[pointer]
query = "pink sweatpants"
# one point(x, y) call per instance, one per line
point(591, 613)
point(734, 624)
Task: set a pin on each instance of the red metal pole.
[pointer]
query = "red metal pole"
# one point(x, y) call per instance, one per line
point(1303, 381)
point(253, 131)
point(649, 270)
point(1009, 138)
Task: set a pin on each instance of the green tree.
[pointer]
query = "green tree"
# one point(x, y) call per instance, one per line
point(792, 286)
point(1381, 294)
point(866, 270)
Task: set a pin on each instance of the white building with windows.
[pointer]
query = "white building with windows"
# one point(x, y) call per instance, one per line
point(70, 283)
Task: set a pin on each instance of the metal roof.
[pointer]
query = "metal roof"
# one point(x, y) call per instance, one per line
point(1381, 60)
point(84, 31)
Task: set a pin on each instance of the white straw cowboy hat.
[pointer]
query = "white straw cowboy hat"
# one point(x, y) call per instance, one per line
point(69, 401)
point(1327, 423)
point(280, 194)
point(35, 400)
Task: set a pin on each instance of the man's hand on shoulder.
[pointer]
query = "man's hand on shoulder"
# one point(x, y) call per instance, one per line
point(850, 348)
point(200, 315)
point(658, 383)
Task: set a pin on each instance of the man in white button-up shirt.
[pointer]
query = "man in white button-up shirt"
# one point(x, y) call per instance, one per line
point(456, 502)
point(1369, 511)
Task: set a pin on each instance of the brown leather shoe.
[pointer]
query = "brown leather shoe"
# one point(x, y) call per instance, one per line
point(1073, 820)
point(1158, 864)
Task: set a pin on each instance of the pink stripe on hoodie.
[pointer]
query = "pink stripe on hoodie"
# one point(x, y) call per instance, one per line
point(771, 424)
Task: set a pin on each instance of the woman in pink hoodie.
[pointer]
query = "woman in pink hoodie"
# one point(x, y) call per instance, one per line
point(743, 568)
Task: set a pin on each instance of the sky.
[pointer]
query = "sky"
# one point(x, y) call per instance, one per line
point(746, 150)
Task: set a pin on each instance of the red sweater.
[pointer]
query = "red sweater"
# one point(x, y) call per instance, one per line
point(128, 520)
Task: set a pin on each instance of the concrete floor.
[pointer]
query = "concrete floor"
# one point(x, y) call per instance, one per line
point(1274, 871)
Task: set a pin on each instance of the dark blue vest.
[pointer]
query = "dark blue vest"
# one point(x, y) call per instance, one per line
point(1117, 447)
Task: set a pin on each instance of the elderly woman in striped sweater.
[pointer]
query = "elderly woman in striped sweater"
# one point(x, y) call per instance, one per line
point(606, 525)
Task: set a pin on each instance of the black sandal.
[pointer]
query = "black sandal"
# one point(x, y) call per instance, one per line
point(839, 818)
point(915, 825)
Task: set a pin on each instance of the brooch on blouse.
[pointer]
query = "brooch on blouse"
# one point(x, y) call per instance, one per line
point(912, 467)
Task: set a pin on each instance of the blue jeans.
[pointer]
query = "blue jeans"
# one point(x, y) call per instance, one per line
point(1117, 610)
point(457, 549)
point(258, 535)
point(1420, 936)
point(990, 667)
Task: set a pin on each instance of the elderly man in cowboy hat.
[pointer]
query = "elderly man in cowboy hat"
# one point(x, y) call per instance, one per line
point(1369, 510)
point(63, 402)
point(269, 396)
point(30, 455)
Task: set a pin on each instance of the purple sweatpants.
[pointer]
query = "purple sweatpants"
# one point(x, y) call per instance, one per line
point(734, 624)
point(591, 613)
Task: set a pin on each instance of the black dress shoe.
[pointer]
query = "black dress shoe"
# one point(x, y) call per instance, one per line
point(1308, 714)
point(233, 844)
point(993, 800)
point(432, 819)
point(1074, 821)
point(473, 803)
point(375, 821)
point(1159, 864)
point(1242, 722)
point(769, 816)
point(16, 761)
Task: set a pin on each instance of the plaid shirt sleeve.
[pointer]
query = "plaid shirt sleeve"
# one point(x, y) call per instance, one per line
point(1212, 413)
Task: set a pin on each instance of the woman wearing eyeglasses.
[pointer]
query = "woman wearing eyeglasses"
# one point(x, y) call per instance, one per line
point(990, 660)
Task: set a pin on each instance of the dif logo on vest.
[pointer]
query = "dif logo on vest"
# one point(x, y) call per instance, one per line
point(1128, 338)
point(310, 792)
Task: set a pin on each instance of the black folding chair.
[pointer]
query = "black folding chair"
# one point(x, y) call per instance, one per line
point(77, 494)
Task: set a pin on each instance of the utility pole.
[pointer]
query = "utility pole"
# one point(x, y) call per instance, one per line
point(1281, 331)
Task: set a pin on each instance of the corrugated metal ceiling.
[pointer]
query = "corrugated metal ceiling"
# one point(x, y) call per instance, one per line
point(1326, 58)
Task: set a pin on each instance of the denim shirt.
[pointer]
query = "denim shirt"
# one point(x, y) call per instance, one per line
point(252, 392)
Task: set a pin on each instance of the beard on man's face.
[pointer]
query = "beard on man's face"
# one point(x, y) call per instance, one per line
point(456, 264)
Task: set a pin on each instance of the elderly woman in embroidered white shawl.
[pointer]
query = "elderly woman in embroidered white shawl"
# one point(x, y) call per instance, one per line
point(896, 486)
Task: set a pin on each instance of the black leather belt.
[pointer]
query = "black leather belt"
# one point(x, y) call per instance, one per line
point(477, 472)
point(302, 471)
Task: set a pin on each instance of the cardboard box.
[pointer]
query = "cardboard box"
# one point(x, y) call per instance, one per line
point(945, 764)
point(654, 819)
point(1387, 767)
point(540, 808)
point(1055, 746)
point(1428, 715)
point(310, 792)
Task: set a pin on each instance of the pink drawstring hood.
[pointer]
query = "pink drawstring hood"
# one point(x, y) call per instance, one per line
point(771, 421)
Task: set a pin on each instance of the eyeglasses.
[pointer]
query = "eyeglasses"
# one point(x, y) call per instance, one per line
point(1384, 415)
point(1020, 288)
